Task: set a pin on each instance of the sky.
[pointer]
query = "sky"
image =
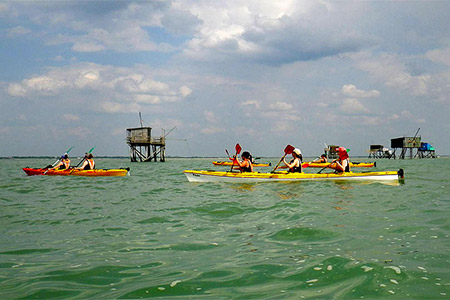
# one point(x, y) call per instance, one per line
point(263, 74)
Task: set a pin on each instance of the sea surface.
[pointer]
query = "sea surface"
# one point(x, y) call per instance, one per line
point(155, 235)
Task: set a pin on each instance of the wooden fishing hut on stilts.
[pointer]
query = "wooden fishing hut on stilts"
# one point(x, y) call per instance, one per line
point(143, 147)
point(426, 151)
point(379, 151)
point(405, 144)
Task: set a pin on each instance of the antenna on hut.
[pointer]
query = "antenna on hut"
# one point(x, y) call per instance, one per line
point(140, 119)
point(416, 133)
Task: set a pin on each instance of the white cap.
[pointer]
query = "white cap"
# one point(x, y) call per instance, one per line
point(297, 151)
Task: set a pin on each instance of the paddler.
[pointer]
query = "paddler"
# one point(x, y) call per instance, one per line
point(321, 159)
point(63, 164)
point(88, 163)
point(246, 164)
point(342, 164)
point(295, 165)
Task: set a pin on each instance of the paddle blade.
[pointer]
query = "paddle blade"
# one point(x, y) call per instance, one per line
point(238, 148)
point(289, 149)
point(305, 165)
point(68, 150)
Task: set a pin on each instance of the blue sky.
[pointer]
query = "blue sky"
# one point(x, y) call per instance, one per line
point(261, 73)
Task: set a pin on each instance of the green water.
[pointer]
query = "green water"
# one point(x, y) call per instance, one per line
point(155, 235)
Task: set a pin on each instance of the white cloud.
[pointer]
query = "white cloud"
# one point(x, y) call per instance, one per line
point(393, 73)
point(17, 90)
point(352, 106)
point(115, 107)
point(371, 120)
point(18, 31)
point(253, 104)
point(121, 26)
point(212, 130)
point(403, 115)
point(280, 106)
point(441, 56)
point(350, 90)
point(88, 46)
point(406, 115)
point(127, 39)
point(185, 91)
point(80, 132)
point(210, 116)
point(282, 126)
point(270, 32)
point(394, 117)
point(43, 85)
point(111, 83)
point(148, 99)
point(71, 117)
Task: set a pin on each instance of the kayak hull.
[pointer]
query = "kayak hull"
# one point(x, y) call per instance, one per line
point(76, 172)
point(218, 176)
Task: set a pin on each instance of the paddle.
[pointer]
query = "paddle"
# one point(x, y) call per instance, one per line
point(238, 150)
point(226, 150)
point(288, 150)
point(325, 167)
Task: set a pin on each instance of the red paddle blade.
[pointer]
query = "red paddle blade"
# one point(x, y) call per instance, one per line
point(289, 149)
point(238, 148)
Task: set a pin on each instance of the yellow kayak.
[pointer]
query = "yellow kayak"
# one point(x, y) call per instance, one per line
point(220, 176)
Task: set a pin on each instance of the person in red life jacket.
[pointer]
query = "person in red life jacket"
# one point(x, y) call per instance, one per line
point(88, 163)
point(295, 165)
point(342, 164)
point(63, 164)
point(246, 164)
